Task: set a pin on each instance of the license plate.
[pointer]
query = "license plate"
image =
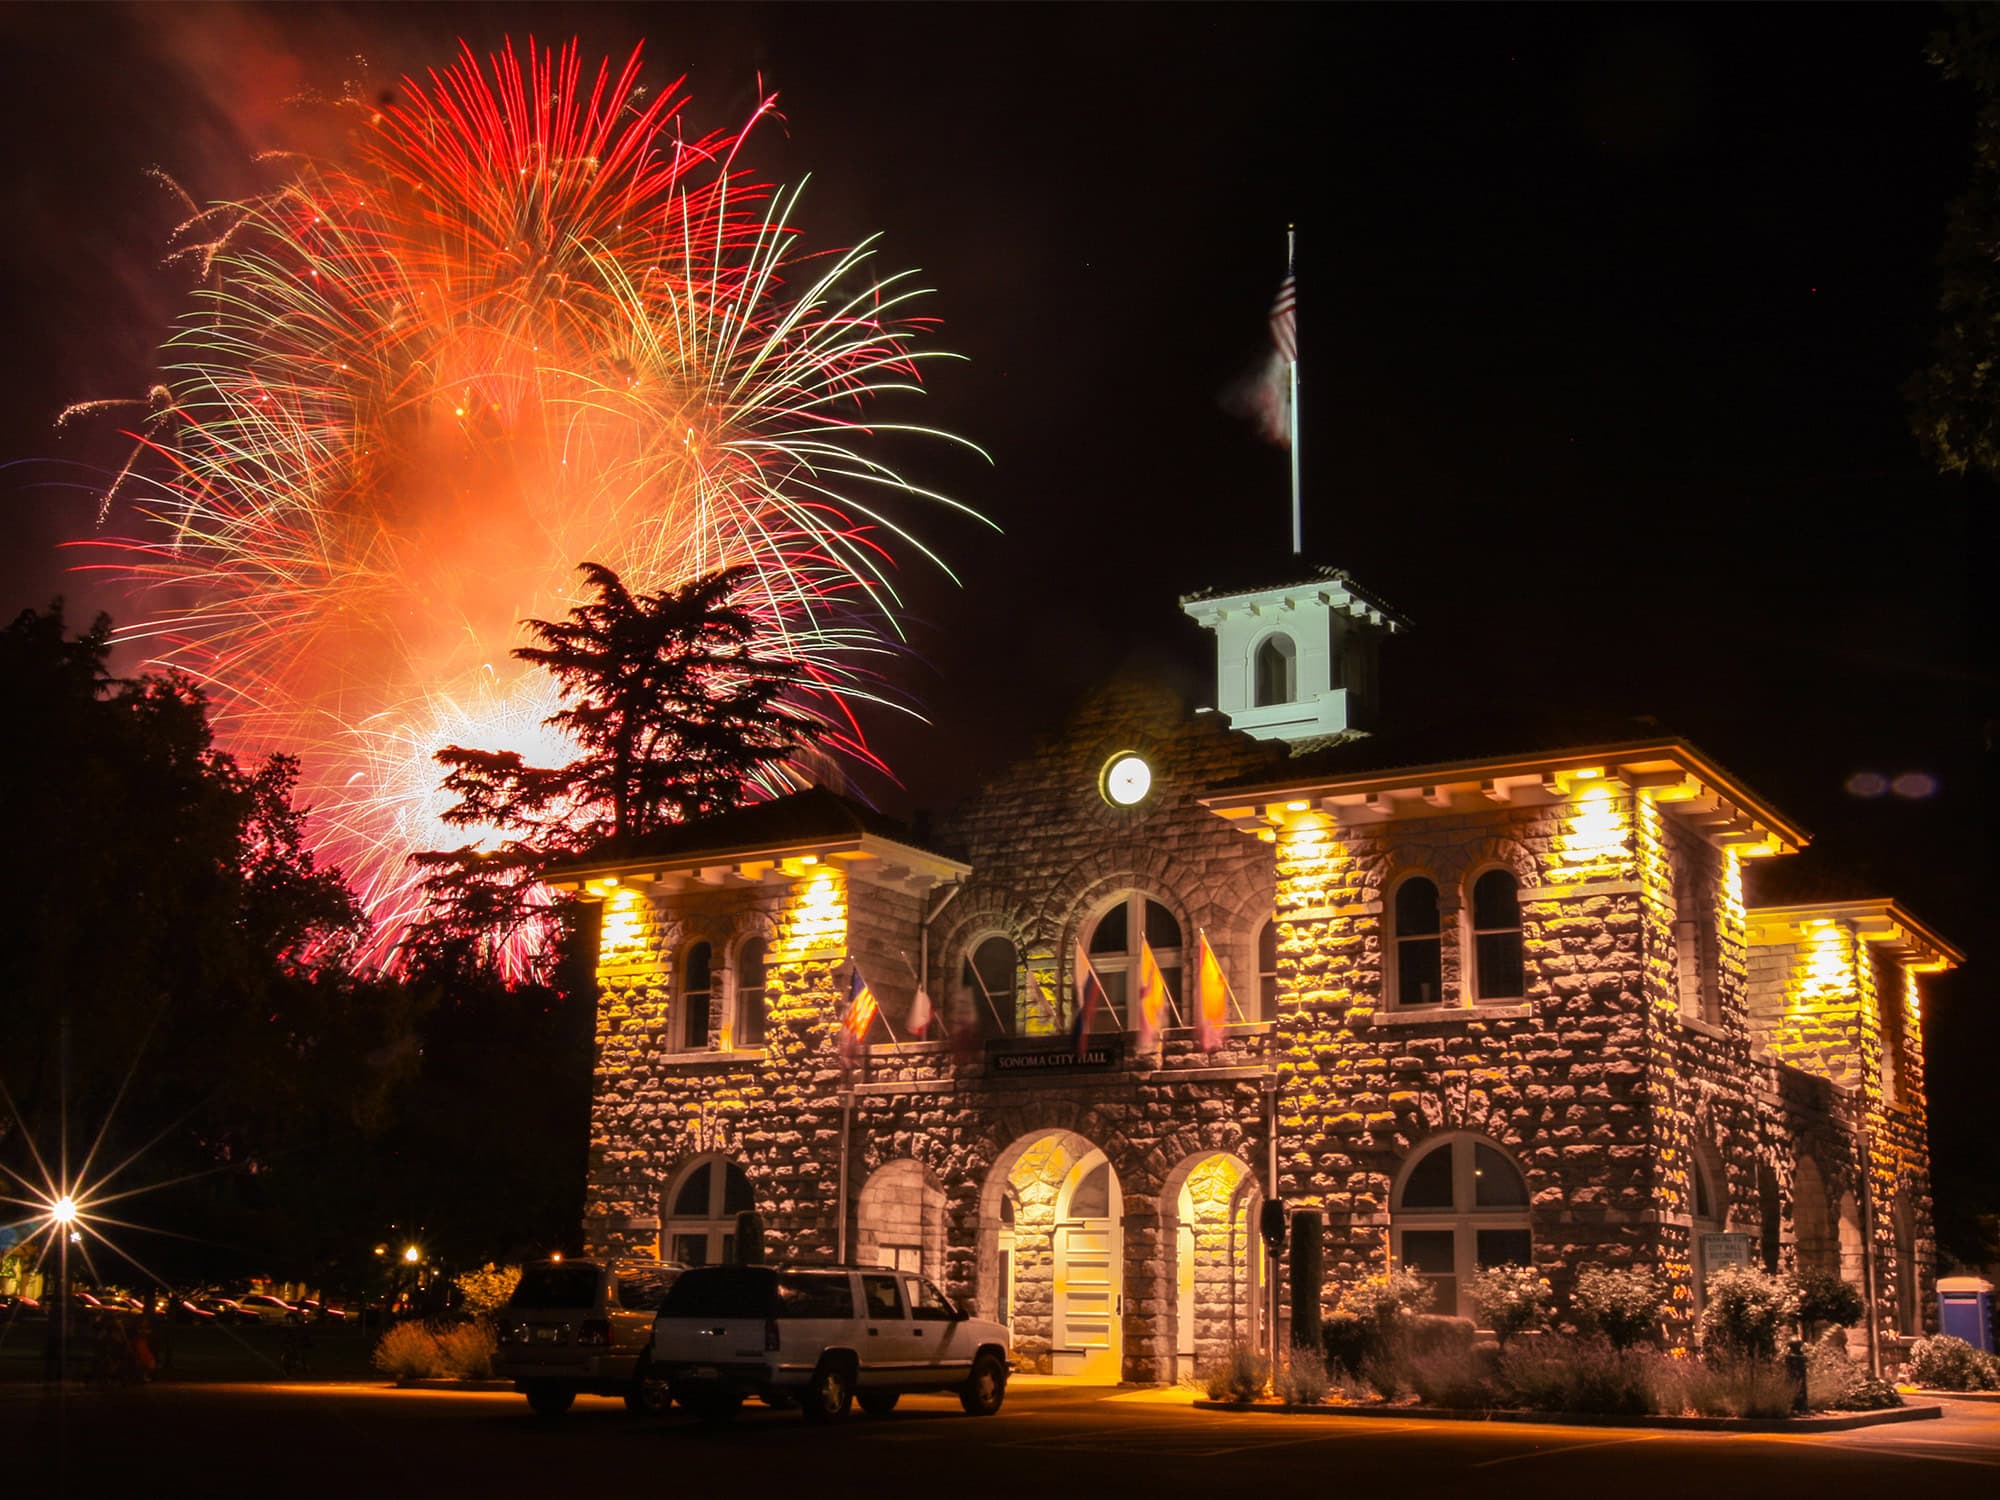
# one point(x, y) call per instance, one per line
point(546, 1334)
point(704, 1372)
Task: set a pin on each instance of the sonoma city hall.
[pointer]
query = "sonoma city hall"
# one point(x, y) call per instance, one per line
point(1553, 996)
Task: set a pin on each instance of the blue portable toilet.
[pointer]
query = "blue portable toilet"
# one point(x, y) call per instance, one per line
point(1965, 1310)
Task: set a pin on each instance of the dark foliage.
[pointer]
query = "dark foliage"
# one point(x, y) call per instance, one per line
point(676, 715)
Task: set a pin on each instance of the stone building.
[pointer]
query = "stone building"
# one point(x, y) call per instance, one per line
point(1504, 996)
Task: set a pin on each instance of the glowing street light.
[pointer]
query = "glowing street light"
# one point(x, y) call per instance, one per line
point(410, 1255)
point(63, 1210)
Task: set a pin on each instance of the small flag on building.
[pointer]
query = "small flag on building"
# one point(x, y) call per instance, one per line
point(858, 1020)
point(1152, 998)
point(1089, 996)
point(1211, 1000)
point(920, 1014)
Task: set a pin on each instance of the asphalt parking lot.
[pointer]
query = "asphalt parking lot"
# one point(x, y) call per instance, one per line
point(351, 1439)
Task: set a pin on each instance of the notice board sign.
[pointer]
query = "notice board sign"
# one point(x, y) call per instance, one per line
point(1724, 1252)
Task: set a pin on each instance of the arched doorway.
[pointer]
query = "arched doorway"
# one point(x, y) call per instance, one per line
point(1059, 1266)
point(1220, 1264)
point(899, 1220)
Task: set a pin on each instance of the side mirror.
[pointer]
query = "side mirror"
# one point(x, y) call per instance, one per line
point(963, 1309)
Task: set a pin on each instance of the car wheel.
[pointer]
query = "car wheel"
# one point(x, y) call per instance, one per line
point(650, 1397)
point(714, 1411)
point(829, 1395)
point(546, 1399)
point(982, 1394)
point(878, 1403)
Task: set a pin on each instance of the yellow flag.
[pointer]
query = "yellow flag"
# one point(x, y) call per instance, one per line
point(1152, 997)
point(1211, 1000)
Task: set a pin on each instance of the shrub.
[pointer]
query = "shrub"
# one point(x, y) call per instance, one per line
point(466, 1350)
point(1827, 1302)
point(1350, 1342)
point(1449, 1377)
point(1382, 1299)
point(1303, 1381)
point(487, 1289)
point(1238, 1376)
point(1511, 1299)
point(1623, 1305)
point(408, 1351)
point(1945, 1363)
point(1570, 1374)
point(1746, 1312)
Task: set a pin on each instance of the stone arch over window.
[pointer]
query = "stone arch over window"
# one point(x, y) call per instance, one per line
point(899, 1219)
point(696, 993)
point(1112, 937)
point(748, 975)
point(1493, 916)
point(1211, 1203)
point(989, 981)
point(1459, 1203)
point(1414, 953)
point(698, 1211)
point(1275, 671)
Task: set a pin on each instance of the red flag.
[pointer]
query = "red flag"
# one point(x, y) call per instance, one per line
point(1211, 1000)
point(1089, 995)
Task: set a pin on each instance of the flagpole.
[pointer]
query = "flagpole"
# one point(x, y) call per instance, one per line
point(1298, 541)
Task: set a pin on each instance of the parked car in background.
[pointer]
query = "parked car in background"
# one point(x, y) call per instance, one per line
point(227, 1310)
point(268, 1309)
point(317, 1311)
point(825, 1337)
point(21, 1309)
point(185, 1310)
point(584, 1327)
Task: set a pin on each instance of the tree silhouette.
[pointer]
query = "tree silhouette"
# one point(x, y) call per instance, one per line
point(676, 717)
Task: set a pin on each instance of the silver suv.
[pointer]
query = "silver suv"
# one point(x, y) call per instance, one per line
point(584, 1326)
point(823, 1337)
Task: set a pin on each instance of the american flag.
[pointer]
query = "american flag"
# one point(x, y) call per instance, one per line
point(1285, 319)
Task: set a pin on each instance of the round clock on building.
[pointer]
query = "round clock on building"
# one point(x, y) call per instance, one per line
point(1127, 779)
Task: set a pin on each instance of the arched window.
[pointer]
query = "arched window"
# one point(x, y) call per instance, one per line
point(1710, 1216)
point(992, 986)
point(1461, 1204)
point(749, 1028)
point(1267, 971)
point(1277, 671)
point(699, 1226)
point(697, 990)
point(1417, 944)
point(1114, 950)
point(1496, 937)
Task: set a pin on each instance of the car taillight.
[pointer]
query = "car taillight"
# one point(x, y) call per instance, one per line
point(594, 1331)
point(771, 1335)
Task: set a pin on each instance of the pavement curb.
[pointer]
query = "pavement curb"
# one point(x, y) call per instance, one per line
point(1831, 1422)
point(1987, 1397)
point(439, 1384)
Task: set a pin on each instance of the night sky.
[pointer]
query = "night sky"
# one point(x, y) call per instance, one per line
point(1604, 316)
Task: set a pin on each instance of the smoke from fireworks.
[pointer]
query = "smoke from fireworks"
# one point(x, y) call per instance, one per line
point(528, 324)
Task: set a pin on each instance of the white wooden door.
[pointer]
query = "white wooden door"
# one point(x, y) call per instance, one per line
point(1089, 1301)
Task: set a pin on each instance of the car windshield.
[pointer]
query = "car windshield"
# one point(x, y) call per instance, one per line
point(722, 1292)
point(559, 1284)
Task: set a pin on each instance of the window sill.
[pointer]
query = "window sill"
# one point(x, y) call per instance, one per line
point(711, 1056)
point(1431, 1015)
point(1705, 1028)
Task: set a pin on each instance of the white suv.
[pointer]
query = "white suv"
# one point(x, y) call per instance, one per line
point(822, 1336)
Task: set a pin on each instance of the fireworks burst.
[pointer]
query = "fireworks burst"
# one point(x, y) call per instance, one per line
point(530, 324)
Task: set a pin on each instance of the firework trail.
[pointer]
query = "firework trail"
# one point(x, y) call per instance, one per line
point(530, 324)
